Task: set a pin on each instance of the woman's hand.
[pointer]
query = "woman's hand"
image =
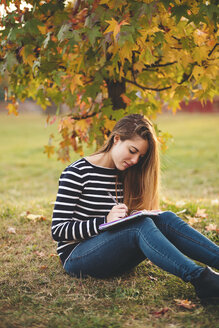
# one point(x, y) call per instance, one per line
point(117, 212)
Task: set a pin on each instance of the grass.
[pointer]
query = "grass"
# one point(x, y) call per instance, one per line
point(35, 292)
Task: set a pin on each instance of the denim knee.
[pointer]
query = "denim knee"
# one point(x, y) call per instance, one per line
point(167, 215)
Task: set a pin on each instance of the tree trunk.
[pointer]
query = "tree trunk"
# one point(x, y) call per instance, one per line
point(115, 90)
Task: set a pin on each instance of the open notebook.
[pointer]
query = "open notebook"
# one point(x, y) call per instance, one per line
point(109, 225)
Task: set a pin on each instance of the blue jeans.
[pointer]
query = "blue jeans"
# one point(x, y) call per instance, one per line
point(166, 240)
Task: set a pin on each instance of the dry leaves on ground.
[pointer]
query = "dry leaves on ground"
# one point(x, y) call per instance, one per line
point(201, 213)
point(11, 230)
point(33, 217)
point(160, 313)
point(185, 304)
point(212, 227)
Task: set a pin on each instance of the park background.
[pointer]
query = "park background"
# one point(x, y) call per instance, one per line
point(35, 290)
point(103, 59)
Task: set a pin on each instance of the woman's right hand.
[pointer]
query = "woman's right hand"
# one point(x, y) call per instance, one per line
point(117, 212)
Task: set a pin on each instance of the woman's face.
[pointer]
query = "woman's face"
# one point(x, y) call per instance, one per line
point(127, 153)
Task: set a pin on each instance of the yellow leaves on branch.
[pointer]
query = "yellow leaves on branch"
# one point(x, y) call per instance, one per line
point(76, 81)
point(43, 29)
point(200, 37)
point(108, 124)
point(81, 125)
point(114, 27)
point(66, 123)
point(28, 59)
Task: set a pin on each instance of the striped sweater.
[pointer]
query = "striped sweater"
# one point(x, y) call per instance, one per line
point(82, 204)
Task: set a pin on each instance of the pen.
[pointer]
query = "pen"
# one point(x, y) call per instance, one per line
point(111, 196)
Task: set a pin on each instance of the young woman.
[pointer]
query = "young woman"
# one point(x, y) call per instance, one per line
point(127, 168)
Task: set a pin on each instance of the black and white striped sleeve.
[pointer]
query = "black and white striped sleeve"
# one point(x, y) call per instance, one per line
point(65, 225)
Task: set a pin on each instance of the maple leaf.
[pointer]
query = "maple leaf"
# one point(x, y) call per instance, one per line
point(212, 227)
point(109, 124)
point(201, 213)
point(185, 304)
point(49, 150)
point(81, 125)
point(192, 220)
point(12, 109)
point(114, 27)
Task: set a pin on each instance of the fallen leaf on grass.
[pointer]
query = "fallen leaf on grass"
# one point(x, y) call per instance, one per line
point(40, 254)
point(201, 213)
point(36, 217)
point(53, 254)
point(44, 267)
point(33, 217)
point(158, 314)
point(11, 230)
point(185, 304)
point(212, 227)
point(192, 220)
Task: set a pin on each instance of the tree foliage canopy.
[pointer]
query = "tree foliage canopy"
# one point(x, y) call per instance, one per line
point(108, 58)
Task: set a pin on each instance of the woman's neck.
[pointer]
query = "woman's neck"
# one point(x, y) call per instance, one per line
point(102, 159)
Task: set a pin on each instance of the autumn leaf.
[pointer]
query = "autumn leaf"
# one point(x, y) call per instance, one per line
point(126, 99)
point(212, 227)
point(114, 27)
point(201, 213)
point(81, 125)
point(185, 304)
point(40, 254)
point(43, 29)
point(192, 220)
point(11, 230)
point(109, 124)
point(35, 217)
point(49, 150)
point(53, 255)
point(12, 109)
point(161, 312)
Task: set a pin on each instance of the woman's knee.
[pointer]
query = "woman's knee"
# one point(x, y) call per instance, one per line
point(167, 215)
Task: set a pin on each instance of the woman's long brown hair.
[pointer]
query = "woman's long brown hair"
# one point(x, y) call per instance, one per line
point(141, 181)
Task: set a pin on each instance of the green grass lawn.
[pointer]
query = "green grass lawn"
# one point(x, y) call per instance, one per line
point(35, 292)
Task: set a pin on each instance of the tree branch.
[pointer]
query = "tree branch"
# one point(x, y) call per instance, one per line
point(146, 88)
point(210, 52)
point(160, 65)
point(84, 117)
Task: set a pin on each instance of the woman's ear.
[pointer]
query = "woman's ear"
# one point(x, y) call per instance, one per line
point(116, 139)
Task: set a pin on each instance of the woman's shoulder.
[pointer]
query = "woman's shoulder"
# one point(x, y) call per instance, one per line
point(78, 166)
